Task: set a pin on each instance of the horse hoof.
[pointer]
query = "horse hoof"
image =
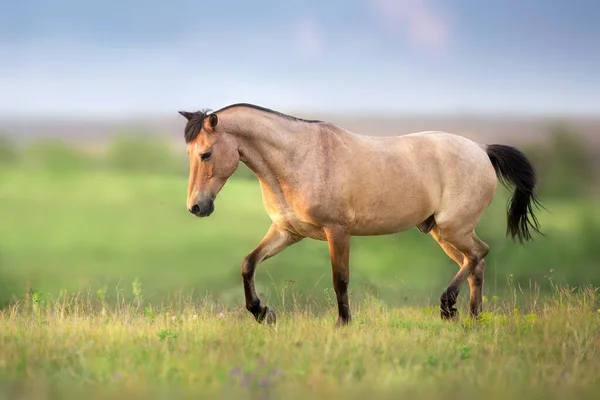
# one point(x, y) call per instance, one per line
point(449, 313)
point(342, 323)
point(267, 316)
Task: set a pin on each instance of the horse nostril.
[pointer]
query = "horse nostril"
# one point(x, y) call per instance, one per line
point(195, 209)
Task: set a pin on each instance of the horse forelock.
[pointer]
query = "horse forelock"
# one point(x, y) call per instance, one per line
point(194, 124)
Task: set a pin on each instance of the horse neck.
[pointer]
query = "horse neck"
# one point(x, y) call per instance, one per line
point(267, 144)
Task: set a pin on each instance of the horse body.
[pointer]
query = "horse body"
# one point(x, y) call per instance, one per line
point(380, 185)
point(323, 182)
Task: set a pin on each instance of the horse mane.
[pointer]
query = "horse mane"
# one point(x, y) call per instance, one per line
point(195, 120)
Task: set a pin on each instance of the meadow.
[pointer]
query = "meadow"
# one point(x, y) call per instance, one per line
point(78, 346)
point(108, 283)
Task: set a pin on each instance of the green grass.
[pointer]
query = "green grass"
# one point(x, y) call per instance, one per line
point(109, 287)
point(96, 229)
point(79, 345)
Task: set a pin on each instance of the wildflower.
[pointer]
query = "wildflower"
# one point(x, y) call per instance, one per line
point(174, 318)
point(194, 317)
point(263, 383)
point(221, 315)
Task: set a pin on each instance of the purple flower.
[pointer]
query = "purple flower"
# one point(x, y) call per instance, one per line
point(245, 381)
point(263, 383)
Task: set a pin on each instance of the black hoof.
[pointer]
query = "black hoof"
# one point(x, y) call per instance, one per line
point(342, 323)
point(267, 316)
point(448, 313)
point(447, 310)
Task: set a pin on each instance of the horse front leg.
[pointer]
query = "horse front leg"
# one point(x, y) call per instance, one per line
point(274, 242)
point(339, 251)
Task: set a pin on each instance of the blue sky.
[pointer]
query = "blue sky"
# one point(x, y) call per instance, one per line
point(67, 57)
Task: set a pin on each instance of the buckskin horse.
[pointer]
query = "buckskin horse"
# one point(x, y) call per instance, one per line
point(324, 182)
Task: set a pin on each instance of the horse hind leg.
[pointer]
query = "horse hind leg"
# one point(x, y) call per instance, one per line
point(475, 278)
point(448, 311)
point(474, 251)
point(476, 289)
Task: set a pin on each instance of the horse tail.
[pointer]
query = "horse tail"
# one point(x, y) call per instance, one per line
point(514, 169)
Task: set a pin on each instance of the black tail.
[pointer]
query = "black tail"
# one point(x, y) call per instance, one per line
point(512, 167)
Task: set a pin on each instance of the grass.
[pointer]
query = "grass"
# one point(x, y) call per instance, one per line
point(163, 316)
point(75, 230)
point(79, 344)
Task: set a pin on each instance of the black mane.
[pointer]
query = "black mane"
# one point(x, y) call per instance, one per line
point(194, 124)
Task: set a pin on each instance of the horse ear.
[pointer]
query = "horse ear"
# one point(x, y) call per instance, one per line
point(213, 120)
point(187, 115)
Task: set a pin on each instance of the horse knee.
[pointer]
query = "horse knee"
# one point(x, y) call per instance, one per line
point(248, 267)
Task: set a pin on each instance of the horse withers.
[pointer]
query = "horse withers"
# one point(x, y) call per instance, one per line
point(324, 182)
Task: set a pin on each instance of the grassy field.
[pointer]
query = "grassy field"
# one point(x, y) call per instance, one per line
point(103, 230)
point(109, 286)
point(79, 346)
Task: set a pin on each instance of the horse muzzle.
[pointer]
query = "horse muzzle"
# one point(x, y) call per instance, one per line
point(203, 208)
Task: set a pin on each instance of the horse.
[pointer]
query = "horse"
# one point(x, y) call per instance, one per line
point(323, 182)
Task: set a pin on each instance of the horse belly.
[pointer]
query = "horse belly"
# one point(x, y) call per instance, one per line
point(394, 210)
point(386, 223)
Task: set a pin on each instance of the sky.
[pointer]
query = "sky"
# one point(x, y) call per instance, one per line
point(132, 57)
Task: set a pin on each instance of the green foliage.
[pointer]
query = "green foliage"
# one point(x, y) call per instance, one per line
point(565, 164)
point(56, 156)
point(143, 153)
point(8, 151)
point(167, 334)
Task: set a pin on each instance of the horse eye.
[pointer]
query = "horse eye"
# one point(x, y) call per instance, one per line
point(206, 156)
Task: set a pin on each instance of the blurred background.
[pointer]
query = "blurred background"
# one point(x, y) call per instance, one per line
point(93, 172)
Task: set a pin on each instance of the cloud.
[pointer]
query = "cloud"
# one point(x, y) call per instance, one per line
point(309, 39)
point(422, 22)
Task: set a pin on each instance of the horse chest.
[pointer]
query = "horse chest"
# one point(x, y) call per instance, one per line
point(292, 217)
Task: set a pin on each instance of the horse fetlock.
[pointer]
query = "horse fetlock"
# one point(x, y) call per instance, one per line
point(447, 302)
point(475, 310)
point(449, 297)
point(254, 307)
point(341, 322)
